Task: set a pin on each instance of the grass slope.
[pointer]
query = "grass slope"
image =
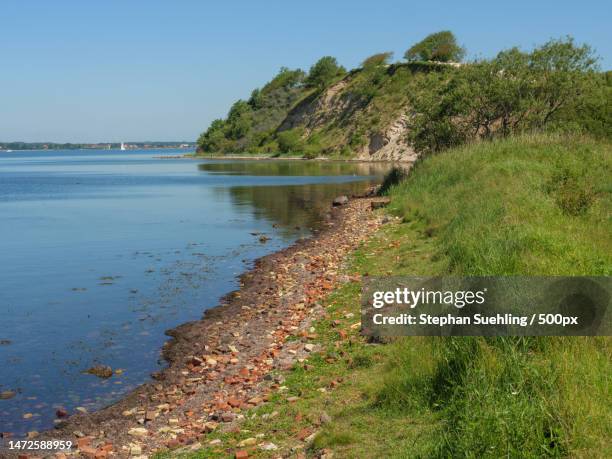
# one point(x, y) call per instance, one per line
point(532, 205)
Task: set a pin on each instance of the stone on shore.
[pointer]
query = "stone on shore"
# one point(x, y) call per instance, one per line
point(138, 432)
point(247, 442)
point(7, 394)
point(340, 201)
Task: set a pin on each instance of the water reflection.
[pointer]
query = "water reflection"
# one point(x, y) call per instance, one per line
point(294, 168)
point(299, 206)
point(296, 206)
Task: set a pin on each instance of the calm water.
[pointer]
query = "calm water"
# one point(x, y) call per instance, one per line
point(102, 251)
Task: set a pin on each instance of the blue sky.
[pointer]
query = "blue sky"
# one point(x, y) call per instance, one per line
point(86, 71)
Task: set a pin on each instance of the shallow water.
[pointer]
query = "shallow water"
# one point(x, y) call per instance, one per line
point(102, 251)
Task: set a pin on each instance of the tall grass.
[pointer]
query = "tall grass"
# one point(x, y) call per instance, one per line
point(534, 205)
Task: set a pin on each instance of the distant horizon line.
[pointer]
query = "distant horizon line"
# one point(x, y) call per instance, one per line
point(94, 143)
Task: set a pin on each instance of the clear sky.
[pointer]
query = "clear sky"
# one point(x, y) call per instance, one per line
point(113, 70)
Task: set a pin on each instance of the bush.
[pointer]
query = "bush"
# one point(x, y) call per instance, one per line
point(323, 72)
point(572, 191)
point(439, 47)
point(376, 60)
point(290, 141)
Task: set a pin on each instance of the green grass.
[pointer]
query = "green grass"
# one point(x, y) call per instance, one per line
point(531, 205)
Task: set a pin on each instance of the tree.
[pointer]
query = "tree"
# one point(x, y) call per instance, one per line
point(439, 47)
point(323, 72)
point(238, 109)
point(376, 60)
point(213, 138)
point(514, 92)
point(561, 69)
point(256, 100)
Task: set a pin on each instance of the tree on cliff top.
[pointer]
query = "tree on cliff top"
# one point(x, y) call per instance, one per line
point(323, 72)
point(377, 60)
point(439, 47)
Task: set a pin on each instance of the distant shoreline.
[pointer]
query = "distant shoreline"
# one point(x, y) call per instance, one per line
point(14, 150)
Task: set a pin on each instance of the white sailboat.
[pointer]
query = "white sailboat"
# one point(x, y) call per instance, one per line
point(123, 146)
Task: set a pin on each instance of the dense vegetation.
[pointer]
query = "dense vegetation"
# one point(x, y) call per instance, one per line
point(327, 111)
point(547, 88)
point(252, 122)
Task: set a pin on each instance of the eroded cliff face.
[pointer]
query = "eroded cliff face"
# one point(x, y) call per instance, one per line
point(364, 115)
point(342, 114)
point(318, 110)
point(390, 145)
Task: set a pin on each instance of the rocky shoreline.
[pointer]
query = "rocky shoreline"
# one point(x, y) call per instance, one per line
point(225, 363)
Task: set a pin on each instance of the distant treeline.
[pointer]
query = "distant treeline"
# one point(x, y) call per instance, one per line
point(93, 146)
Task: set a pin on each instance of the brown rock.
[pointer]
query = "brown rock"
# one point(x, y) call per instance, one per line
point(88, 451)
point(173, 443)
point(7, 394)
point(101, 371)
point(244, 372)
point(83, 442)
point(242, 454)
point(209, 426)
point(302, 434)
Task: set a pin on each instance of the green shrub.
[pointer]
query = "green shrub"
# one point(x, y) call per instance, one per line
point(377, 60)
point(440, 46)
point(290, 141)
point(323, 72)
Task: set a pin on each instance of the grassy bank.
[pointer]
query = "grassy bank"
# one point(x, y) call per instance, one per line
point(531, 205)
